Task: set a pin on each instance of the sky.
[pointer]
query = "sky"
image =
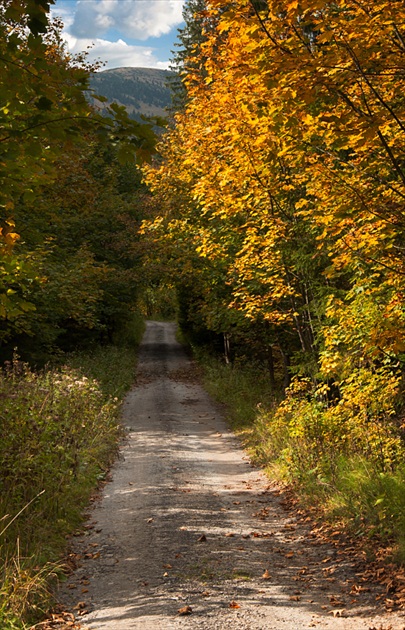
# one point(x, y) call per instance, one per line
point(122, 32)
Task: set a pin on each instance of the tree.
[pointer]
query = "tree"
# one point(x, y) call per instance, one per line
point(287, 166)
point(186, 59)
point(46, 124)
point(191, 36)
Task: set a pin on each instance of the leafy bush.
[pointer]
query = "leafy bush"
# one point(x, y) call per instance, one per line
point(59, 436)
point(344, 454)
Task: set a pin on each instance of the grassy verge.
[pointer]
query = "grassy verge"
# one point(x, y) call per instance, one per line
point(242, 388)
point(60, 432)
point(362, 495)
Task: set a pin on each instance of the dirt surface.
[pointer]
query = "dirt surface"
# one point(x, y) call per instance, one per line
point(187, 524)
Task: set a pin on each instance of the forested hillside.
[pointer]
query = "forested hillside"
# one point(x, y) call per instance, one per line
point(280, 199)
point(142, 91)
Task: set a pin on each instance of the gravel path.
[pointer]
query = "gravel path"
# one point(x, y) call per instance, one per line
point(186, 524)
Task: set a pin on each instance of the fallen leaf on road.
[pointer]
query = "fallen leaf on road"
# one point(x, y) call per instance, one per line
point(167, 566)
point(186, 610)
point(338, 612)
point(266, 575)
point(202, 538)
point(295, 598)
point(234, 604)
point(329, 570)
point(262, 534)
point(290, 554)
point(356, 589)
point(229, 535)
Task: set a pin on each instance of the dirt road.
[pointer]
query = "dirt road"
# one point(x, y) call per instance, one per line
point(187, 522)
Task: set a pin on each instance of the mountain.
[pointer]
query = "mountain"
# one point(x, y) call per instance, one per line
point(142, 91)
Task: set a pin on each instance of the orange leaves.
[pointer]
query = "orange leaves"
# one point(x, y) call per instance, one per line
point(8, 238)
point(292, 6)
point(185, 610)
point(283, 179)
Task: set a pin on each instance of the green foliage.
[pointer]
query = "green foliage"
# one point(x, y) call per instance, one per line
point(61, 427)
point(344, 456)
point(43, 102)
point(24, 590)
point(59, 430)
point(241, 386)
point(188, 44)
point(80, 238)
point(60, 434)
point(310, 433)
point(370, 502)
point(159, 301)
point(66, 261)
point(18, 279)
point(96, 362)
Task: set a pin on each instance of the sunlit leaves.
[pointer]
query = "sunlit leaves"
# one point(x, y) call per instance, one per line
point(284, 182)
point(46, 127)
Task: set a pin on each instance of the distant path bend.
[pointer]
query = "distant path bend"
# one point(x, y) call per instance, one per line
point(187, 522)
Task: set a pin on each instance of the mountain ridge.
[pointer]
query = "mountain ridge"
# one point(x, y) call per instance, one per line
point(142, 91)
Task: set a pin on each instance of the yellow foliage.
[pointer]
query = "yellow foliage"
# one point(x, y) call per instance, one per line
point(286, 171)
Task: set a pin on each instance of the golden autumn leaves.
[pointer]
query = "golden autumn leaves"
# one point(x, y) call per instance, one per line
point(286, 164)
point(282, 187)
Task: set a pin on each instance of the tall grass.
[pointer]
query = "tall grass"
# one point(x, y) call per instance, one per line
point(297, 444)
point(60, 433)
point(113, 367)
point(243, 388)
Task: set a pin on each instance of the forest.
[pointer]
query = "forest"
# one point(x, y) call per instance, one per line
point(271, 208)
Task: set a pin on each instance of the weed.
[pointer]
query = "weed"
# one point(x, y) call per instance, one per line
point(25, 589)
point(345, 459)
point(60, 433)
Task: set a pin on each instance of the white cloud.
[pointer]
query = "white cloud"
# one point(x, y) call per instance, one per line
point(117, 54)
point(135, 19)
